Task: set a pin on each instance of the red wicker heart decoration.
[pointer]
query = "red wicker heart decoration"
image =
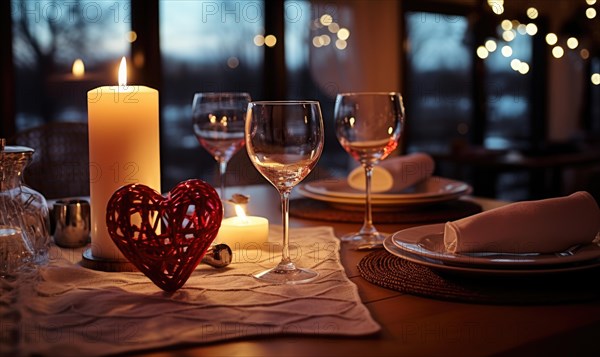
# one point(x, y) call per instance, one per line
point(187, 220)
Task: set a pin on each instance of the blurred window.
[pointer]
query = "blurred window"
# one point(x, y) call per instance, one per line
point(62, 49)
point(508, 85)
point(206, 46)
point(318, 49)
point(439, 82)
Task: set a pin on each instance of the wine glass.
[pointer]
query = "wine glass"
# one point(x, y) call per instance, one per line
point(218, 120)
point(284, 140)
point(368, 127)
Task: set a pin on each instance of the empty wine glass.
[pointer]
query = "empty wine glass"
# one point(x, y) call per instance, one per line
point(218, 120)
point(284, 140)
point(368, 127)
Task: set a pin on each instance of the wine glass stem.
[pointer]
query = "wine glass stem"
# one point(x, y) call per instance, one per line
point(222, 171)
point(368, 221)
point(286, 262)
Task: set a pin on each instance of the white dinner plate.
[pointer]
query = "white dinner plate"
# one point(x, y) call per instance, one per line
point(486, 270)
point(432, 187)
point(375, 202)
point(428, 241)
point(435, 190)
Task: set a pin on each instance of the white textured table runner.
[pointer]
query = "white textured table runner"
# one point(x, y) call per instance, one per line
point(69, 310)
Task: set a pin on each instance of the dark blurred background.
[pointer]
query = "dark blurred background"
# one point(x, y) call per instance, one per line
point(504, 95)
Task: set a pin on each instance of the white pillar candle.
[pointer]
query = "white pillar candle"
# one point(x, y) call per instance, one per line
point(124, 148)
point(244, 232)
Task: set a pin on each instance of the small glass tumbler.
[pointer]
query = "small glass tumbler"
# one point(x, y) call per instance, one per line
point(72, 222)
point(21, 207)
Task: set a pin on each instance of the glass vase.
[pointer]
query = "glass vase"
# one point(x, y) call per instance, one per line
point(24, 214)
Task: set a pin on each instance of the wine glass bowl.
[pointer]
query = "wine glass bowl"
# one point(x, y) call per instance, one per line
point(284, 140)
point(368, 126)
point(218, 122)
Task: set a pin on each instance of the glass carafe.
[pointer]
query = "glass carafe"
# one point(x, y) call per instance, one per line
point(24, 216)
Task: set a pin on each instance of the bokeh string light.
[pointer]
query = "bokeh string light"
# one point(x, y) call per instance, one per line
point(508, 30)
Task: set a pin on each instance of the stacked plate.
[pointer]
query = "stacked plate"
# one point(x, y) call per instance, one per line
point(432, 190)
point(424, 245)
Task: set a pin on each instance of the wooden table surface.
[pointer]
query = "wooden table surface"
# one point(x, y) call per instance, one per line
point(418, 326)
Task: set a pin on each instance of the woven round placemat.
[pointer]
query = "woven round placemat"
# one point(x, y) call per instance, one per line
point(384, 269)
point(440, 212)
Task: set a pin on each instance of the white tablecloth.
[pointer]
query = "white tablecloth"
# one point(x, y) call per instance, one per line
point(65, 309)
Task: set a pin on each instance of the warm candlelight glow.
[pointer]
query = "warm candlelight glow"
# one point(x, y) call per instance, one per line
point(123, 72)
point(78, 68)
point(241, 214)
point(243, 231)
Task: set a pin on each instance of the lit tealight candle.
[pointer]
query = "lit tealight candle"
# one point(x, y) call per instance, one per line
point(78, 68)
point(244, 232)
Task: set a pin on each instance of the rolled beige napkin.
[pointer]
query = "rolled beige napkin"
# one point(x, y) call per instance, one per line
point(394, 174)
point(543, 226)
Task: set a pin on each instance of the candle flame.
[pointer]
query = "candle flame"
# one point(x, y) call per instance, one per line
point(123, 72)
point(78, 68)
point(239, 211)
